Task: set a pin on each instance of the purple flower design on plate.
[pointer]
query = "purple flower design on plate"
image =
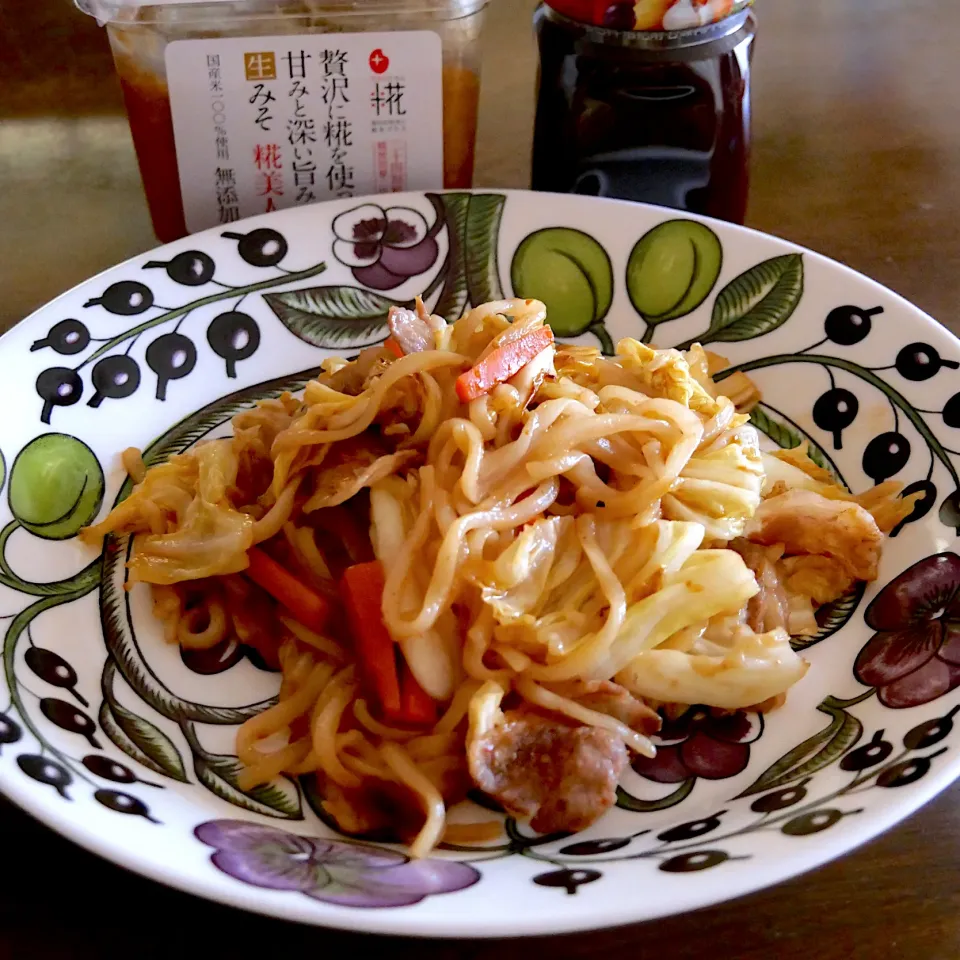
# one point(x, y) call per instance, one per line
point(385, 247)
point(914, 657)
point(701, 744)
point(334, 871)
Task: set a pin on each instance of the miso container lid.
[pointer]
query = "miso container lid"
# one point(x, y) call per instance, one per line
point(649, 15)
point(148, 11)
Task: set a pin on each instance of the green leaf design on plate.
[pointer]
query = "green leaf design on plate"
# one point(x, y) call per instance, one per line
point(56, 486)
point(672, 269)
point(832, 617)
point(788, 435)
point(124, 649)
point(114, 612)
point(138, 738)
point(627, 801)
point(335, 318)
point(821, 750)
point(453, 209)
point(484, 216)
point(218, 772)
point(759, 301)
point(189, 430)
point(570, 272)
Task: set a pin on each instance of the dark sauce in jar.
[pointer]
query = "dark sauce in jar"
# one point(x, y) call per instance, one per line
point(662, 118)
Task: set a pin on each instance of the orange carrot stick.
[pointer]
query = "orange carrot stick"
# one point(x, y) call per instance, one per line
point(376, 652)
point(502, 363)
point(417, 707)
point(394, 347)
point(306, 605)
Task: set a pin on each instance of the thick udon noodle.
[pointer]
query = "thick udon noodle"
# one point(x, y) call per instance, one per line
point(571, 525)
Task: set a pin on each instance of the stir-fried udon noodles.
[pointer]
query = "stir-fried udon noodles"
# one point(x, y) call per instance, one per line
point(485, 561)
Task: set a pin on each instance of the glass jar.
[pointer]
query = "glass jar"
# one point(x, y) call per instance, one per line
point(638, 103)
point(404, 119)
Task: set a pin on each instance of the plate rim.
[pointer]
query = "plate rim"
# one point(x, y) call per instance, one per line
point(454, 923)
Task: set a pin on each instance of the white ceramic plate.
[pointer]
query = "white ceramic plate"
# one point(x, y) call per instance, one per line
point(111, 738)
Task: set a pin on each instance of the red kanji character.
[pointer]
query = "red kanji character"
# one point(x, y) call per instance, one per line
point(272, 183)
point(267, 156)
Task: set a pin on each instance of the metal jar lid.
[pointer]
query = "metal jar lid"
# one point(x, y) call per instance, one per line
point(660, 16)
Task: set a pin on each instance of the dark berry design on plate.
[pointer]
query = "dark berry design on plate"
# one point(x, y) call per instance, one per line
point(849, 325)
point(886, 456)
point(10, 731)
point(921, 506)
point(907, 771)
point(834, 412)
point(951, 411)
point(620, 16)
point(68, 717)
point(869, 755)
point(699, 744)
point(781, 799)
point(920, 361)
point(191, 268)
point(260, 248)
point(171, 357)
point(125, 299)
point(693, 862)
point(58, 387)
point(814, 822)
point(233, 337)
point(112, 770)
point(66, 338)
point(691, 830)
point(114, 378)
point(52, 668)
point(223, 656)
point(933, 731)
point(592, 848)
point(46, 771)
point(124, 803)
point(384, 247)
point(568, 879)
point(950, 511)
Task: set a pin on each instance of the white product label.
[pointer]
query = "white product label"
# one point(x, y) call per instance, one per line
point(264, 123)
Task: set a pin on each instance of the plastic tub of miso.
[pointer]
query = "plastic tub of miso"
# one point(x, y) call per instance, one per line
point(239, 107)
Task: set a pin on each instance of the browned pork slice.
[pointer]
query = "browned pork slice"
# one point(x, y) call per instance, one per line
point(562, 777)
point(807, 523)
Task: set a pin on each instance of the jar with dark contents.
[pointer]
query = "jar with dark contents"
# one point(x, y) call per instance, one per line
point(646, 101)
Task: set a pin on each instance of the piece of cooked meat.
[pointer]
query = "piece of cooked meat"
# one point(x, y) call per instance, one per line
point(769, 608)
point(614, 700)
point(410, 330)
point(562, 777)
point(807, 523)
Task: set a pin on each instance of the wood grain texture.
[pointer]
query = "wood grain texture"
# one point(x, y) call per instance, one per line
point(857, 143)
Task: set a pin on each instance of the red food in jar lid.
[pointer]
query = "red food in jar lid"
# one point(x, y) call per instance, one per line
point(654, 15)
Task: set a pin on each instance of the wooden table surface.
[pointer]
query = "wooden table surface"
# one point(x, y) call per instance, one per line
point(857, 155)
